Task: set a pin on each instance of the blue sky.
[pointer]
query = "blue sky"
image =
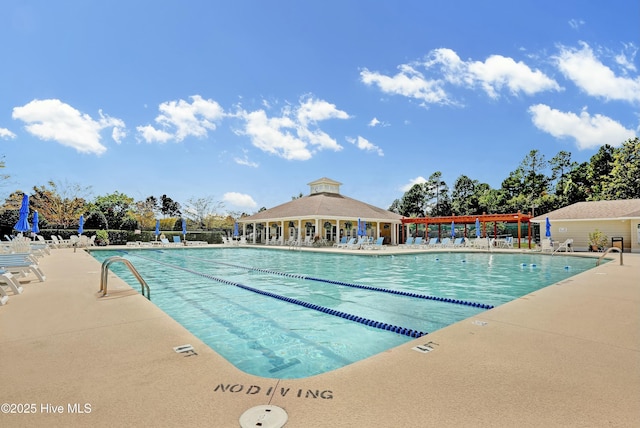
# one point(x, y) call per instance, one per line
point(245, 102)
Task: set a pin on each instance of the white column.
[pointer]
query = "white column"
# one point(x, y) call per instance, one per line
point(282, 231)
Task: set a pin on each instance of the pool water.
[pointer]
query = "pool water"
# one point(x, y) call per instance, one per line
point(281, 314)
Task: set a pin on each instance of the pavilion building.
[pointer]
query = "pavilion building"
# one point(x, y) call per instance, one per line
point(322, 214)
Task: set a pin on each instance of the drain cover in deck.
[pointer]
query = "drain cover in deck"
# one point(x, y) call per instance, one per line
point(264, 417)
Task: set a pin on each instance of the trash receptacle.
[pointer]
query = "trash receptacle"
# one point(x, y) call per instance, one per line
point(618, 241)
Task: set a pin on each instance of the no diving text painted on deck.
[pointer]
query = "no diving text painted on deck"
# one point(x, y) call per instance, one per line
point(238, 388)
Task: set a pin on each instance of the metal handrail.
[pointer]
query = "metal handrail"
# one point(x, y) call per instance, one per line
point(105, 274)
point(607, 252)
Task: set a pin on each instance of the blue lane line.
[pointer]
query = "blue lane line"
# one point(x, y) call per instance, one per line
point(371, 323)
point(347, 284)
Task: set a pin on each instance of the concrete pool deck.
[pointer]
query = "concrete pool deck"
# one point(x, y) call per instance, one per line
point(566, 355)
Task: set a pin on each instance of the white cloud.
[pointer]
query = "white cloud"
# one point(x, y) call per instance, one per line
point(499, 71)
point(245, 161)
point(313, 111)
point(594, 78)
point(6, 134)
point(364, 144)
point(239, 200)
point(181, 119)
point(576, 23)
point(274, 135)
point(586, 130)
point(413, 182)
point(151, 134)
point(53, 120)
point(426, 80)
point(375, 122)
point(409, 83)
point(293, 135)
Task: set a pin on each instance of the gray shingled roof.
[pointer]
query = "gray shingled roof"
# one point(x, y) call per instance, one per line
point(324, 205)
point(625, 208)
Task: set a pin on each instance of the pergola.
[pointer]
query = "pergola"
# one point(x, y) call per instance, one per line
point(471, 219)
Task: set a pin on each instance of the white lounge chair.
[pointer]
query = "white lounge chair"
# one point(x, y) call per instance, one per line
point(351, 241)
point(8, 280)
point(546, 245)
point(567, 246)
point(408, 243)
point(22, 263)
point(458, 242)
point(376, 245)
point(343, 241)
point(357, 245)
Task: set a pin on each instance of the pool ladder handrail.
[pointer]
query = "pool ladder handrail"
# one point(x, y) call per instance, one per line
point(607, 251)
point(105, 274)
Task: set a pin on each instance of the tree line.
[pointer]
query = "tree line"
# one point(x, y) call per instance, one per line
point(536, 186)
point(60, 205)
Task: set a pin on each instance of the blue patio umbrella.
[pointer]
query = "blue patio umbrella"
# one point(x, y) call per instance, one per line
point(477, 227)
point(453, 229)
point(184, 228)
point(359, 232)
point(364, 228)
point(36, 228)
point(548, 229)
point(157, 232)
point(23, 223)
point(235, 229)
point(81, 225)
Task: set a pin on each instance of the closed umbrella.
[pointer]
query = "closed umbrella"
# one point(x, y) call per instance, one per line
point(184, 229)
point(81, 225)
point(23, 223)
point(36, 228)
point(477, 227)
point(548, 229)
point(453, 230)
point(235, 229)
point(157, 229)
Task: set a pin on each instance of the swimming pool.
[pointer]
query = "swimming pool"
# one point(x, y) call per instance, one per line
point(292, 314)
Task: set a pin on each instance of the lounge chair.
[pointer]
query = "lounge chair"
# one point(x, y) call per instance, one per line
point(376, 245)
point(8, 280)
point(357, 245)
point(446, 242)
point(351, 241)
point(546, 245)
point(458, 242)
point(22, 263)
point(177, 240)
point(567, 246)
point(343, 241)
point(417, 243)
point(408, 243)
point(43, 241)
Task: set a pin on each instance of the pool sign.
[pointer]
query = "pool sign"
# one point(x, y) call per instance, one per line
point(239, 388)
